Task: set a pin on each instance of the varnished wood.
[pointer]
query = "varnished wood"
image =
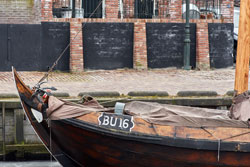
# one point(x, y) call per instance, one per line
point(243, 49)
point(83, 142)
point(143, 127)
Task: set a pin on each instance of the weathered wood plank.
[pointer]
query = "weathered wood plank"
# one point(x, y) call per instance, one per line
point(18, 117)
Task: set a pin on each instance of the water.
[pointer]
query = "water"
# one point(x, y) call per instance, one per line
point(30, 164)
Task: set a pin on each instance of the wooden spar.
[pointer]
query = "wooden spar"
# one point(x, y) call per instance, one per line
point(243, 49)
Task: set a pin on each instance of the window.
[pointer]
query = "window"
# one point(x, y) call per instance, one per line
point(77, 8)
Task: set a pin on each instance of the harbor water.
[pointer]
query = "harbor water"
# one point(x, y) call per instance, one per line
point(30, 164)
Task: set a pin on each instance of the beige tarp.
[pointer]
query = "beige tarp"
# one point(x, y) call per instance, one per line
point(154, 113)
point(60, 109)
point(174, 115)
point(240, 110)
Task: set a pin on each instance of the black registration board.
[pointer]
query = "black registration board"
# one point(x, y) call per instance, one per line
point(116, 121)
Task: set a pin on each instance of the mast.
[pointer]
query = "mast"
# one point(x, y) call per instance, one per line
point(243, 49)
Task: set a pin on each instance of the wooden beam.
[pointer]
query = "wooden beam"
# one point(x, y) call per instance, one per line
point(243, 49)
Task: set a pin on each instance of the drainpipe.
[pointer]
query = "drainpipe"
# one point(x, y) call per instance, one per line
point(187, 40)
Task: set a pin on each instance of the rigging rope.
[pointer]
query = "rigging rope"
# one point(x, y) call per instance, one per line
point(220, 140)
point(60, 56)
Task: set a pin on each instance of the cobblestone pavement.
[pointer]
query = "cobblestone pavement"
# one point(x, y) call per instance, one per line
point(123, 81)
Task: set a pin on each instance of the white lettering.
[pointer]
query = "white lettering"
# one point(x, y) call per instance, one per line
point(105, 120)
point(120, 126)
point(111, 121)
point(125, 123)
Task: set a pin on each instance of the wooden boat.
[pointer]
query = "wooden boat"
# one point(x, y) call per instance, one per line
point(83, 141)
point(93, 139)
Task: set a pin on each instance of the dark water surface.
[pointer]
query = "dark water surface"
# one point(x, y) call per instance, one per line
point(30, 164)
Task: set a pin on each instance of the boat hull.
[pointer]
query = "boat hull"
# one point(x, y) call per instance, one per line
point(83, 142)
point(94, 146)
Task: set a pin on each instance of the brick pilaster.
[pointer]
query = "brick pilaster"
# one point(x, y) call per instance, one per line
point(129, 8)
point(175, 8)
point(46, 10)
point(112, 8)
point(76, 48)
point(163, 8)
point(227, 11)
point(140, 46)
point(202, 47)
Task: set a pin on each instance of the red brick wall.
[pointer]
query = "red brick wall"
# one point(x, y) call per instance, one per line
point(76, 48)
point(46, 10)
point(20, 12)
point(202, 46)
point(175, 9)
point(112, 8)
point(164, 8)
point(140, 46)
point(227, 10)
point(128, 6)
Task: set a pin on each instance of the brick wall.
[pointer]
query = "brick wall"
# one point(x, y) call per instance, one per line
point(112, 8)
point(175, 9)
point(227, 11)
point(174, 14)
point(140, 46)
point(202, 46)
point(164, 9)
point(20, 12)
point(46, 10)
point(128, 8)
point(76, 49)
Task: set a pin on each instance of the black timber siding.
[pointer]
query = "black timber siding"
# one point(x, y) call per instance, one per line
point(108, 45)
point(221, 44)
point(55, 38)
point(20, 47)
point(34, 47)
point(165, 44)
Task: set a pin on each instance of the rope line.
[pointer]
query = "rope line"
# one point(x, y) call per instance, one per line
point(220, 140)
point(65, 49)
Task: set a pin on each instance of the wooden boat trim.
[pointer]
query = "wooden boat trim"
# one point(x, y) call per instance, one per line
point(200, 144)
point(57, 153)
point(188, 142)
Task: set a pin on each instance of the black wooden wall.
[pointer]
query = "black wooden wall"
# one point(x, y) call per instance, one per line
point(108, 45)
point(55, 38)
point(33, 47)
point(20, 47)
point(221, 44)
point(165, 44)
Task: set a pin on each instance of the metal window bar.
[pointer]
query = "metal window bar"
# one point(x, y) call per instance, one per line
point(145, 8)
point(203, 9)
point(77, 8)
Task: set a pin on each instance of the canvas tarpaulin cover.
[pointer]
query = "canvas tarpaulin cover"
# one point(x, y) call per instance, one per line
point(155, 113)
point(174, 115)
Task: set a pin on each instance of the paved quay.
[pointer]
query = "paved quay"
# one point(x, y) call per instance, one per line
point(126, 80)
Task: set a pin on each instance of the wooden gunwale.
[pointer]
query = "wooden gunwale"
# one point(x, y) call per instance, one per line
point(42, 129)
point(189, 133)
point(192, 143)
point(81, 141)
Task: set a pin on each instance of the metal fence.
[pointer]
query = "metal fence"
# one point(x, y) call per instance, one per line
point(203, 9)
